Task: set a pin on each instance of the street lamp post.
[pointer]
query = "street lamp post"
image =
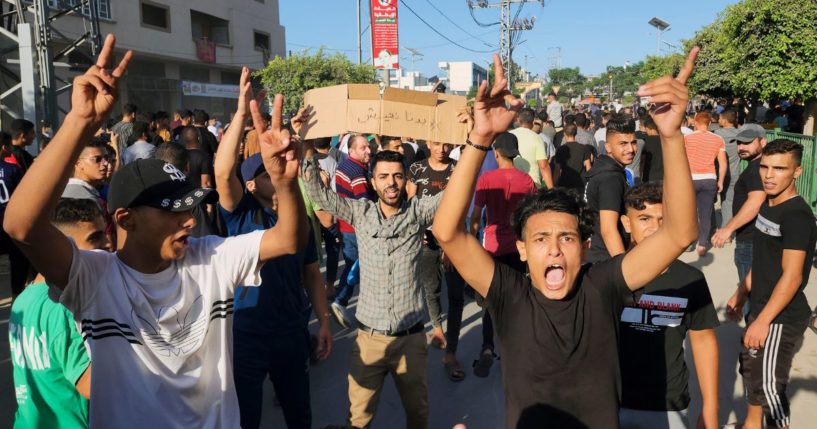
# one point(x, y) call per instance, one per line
point(610, 77)
point(661, 26)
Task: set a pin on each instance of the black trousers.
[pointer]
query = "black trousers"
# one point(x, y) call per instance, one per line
point(282, 358)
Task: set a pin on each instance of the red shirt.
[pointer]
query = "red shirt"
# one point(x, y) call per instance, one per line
point(500, 192)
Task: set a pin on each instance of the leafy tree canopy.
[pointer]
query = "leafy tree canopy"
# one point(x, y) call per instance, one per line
point(294, 75)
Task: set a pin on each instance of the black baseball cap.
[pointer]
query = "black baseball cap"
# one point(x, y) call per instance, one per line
point(507, 145)
point(155, 183)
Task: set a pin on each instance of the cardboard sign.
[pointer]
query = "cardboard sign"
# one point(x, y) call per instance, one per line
point(399, 112)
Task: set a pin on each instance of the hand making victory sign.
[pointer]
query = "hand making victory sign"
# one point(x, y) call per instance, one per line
point(96, 91)
point(281, 157)
point(491, 115)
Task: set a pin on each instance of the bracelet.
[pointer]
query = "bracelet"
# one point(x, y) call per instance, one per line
point(477, 146)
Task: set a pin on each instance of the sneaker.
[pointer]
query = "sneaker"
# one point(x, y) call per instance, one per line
point(341, 315)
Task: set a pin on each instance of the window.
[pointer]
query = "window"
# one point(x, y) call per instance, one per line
point(156, 16)
point(261, 41)
point(103, 7)
point(211, 27)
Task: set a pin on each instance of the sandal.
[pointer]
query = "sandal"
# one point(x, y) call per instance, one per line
point(454, 370)
point(482, 366)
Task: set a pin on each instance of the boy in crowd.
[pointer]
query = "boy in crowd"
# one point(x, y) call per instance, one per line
point(155, 314)
point(654, 324)
point(22, 135)
point(270, 328)
point(499, 192)
point(606, 184)
point(558, 327)
point(573, 161)
point(53, 381)
point(783, 248)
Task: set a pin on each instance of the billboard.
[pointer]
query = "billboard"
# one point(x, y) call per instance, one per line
point(384, 34)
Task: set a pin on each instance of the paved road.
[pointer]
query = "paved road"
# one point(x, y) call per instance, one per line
point(478, 402)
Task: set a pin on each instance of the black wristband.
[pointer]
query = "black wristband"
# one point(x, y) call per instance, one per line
point(476, 146)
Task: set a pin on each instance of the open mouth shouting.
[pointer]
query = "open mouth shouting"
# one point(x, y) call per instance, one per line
point(391, 193)
point(554, 277)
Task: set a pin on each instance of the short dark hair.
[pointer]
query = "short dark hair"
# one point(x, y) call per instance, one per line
point(190, 136)
point(649, 123)
point(730, 115)
point(70, 211)
point(20, 127)
point(646, 193)
point(775, 147)
point(161, 115)
point(185, 113)
point(542, 115)
point(95, 143)
point(561, 200)
point(620, 124)
point(569, 119)
point(526, 116)
point(129, 109)
point(200, 116)
point(5, 138)
point(173, 153)
point(581, 120)
point(570, 130)
point(322, 143)
point(387, 156)
point(140, 128)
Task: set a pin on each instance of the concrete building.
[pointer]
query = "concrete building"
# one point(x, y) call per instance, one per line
point(462, 75)
point(176, 41)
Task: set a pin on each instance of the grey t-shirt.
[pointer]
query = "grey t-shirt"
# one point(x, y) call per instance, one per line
point(728, 135)
point(554, 110)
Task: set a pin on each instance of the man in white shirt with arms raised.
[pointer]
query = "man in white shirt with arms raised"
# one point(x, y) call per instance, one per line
point(155, 315)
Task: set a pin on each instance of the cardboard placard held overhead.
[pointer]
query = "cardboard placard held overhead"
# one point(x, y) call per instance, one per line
point(399, 112)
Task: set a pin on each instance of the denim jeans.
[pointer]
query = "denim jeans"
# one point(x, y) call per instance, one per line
point(345, 290)
point(743, 258)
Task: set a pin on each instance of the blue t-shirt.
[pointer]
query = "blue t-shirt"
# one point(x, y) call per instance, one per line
point(280, 305)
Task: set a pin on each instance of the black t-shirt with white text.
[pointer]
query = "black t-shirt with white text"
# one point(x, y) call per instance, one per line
point(429, 181)
point(560, 358)
point(748, 181)
point(653, 327)
point(788, 225)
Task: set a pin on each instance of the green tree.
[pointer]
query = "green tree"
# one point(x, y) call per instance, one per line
point(294, 75)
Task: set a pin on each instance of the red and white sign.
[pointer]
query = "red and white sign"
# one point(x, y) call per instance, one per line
point(384, 34)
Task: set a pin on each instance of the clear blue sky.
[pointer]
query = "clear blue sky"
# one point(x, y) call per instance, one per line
point(591, 33)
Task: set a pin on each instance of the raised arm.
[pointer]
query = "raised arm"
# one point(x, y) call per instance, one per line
point(326, 198)
point(281, 160)
point(647, 260)
point(27, 217)
point(491, 117)
point(230, 189)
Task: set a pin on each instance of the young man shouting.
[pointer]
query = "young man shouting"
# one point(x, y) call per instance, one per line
point(654, 324)
point(155, 315)
point(557, 327)
point(783, 248)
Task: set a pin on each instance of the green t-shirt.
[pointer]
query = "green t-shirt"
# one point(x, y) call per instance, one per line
point(48, 357)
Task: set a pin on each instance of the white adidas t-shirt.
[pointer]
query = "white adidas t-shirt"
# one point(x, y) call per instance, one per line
point(161, 344)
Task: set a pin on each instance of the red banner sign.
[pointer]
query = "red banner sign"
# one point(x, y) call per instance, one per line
point(384, 34)
point(206, 50)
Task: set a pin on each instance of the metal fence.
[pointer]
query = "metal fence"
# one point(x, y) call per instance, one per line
point(806, 185)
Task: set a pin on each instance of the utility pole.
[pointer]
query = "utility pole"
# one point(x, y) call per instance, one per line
point(507, 27)
point(30, 28)
point(359, 46)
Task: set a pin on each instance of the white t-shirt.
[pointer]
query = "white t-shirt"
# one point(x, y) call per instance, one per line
point(161, 344)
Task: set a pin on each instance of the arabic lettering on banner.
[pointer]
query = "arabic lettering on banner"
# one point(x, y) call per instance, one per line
point(384, 34)
point(200, 89)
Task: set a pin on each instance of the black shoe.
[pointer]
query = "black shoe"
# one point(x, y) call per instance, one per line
point(482, 366)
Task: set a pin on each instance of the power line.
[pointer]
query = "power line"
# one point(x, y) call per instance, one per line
point(457, 25)
point(474, 17)
point(441, 34)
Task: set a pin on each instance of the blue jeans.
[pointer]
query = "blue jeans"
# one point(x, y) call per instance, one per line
point(743, 258)
point(282, 358)
point(345, 290)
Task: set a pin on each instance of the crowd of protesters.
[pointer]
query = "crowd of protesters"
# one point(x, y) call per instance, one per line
point(162, 269)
